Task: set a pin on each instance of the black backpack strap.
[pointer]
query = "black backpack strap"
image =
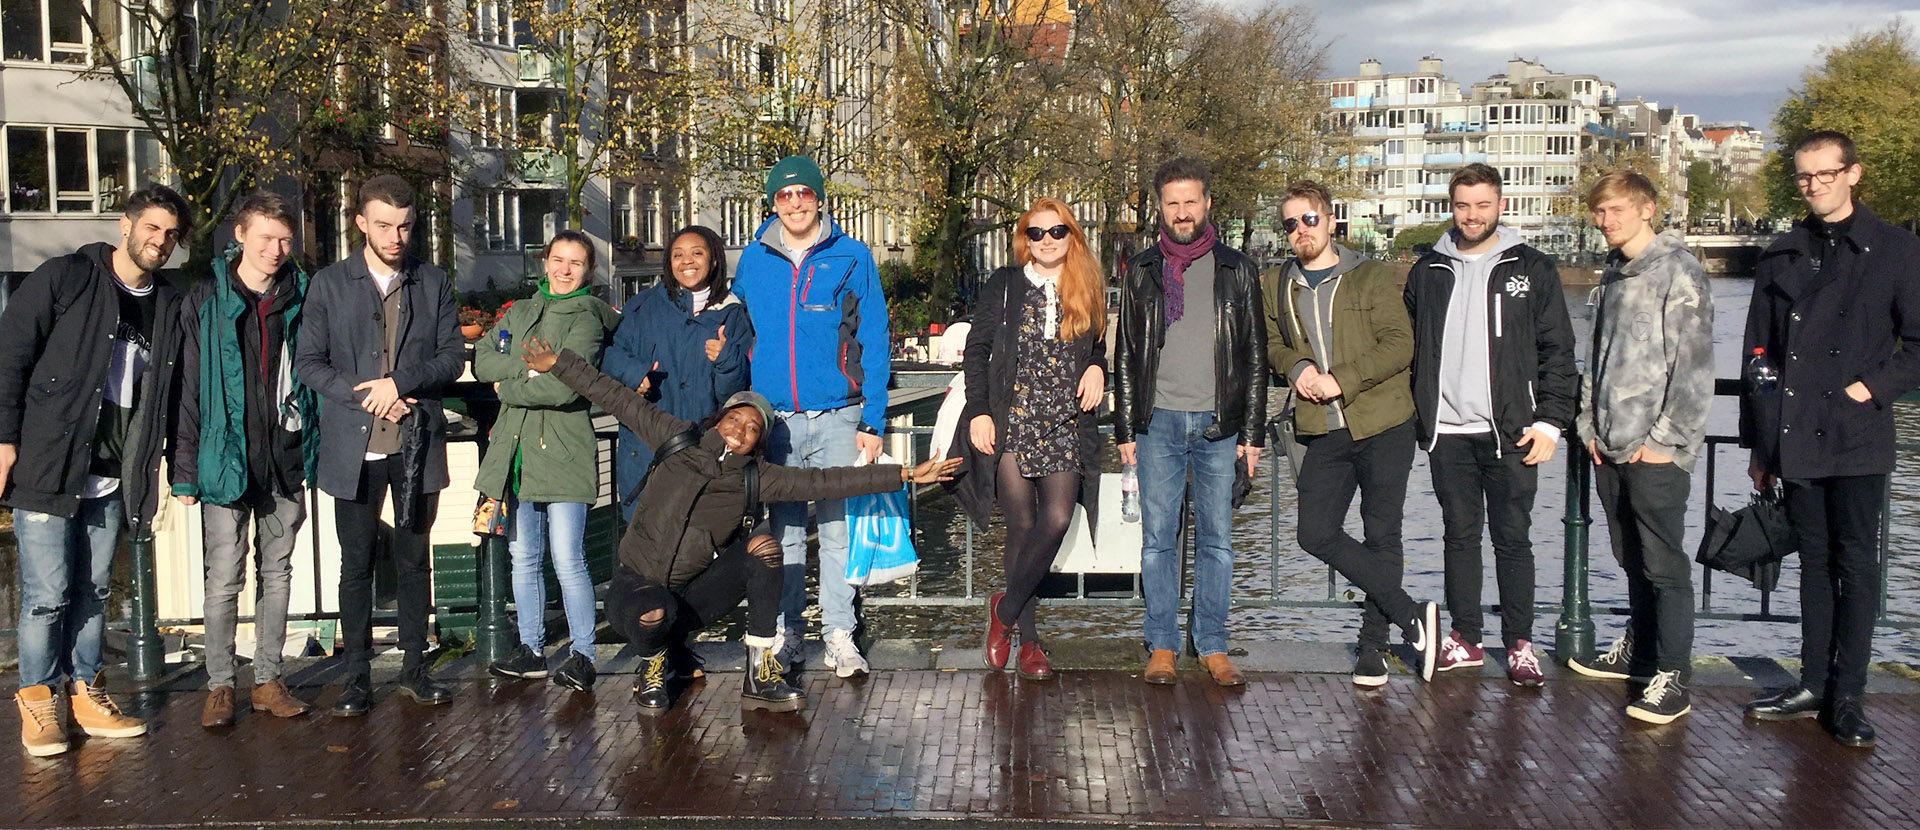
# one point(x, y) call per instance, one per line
point(670, 446)
point(750, 514)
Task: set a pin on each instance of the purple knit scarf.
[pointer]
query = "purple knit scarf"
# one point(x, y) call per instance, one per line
point(1179, 255)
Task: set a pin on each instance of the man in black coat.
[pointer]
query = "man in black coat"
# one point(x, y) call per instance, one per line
point(87, 351)
point(381, 337)
point(1836, 312)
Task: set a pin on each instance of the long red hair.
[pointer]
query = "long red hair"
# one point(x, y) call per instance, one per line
point(1082, 300)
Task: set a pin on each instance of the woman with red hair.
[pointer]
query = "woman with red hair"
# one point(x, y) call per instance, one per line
point(1035, 371)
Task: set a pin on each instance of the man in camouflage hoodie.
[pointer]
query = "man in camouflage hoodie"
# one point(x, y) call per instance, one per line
point(1643, 415)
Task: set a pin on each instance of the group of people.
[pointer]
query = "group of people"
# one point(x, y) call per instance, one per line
point(747, 401)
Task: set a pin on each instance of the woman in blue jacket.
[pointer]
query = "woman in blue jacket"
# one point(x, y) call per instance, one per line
point(682, 343)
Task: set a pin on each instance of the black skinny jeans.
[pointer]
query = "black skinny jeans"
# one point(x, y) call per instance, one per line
point(1475, 483)
point(1377, 466)
point(1038, 511)
point(731, 577)
point(1646, 507)
point(358, 524)
point(1838, 520)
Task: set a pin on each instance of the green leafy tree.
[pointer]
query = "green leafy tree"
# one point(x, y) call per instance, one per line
point(1868, 88)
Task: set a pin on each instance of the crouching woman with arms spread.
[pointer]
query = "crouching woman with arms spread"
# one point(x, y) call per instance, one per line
point(700, 546)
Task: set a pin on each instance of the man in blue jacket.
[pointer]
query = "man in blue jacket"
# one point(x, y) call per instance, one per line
point(820, 356)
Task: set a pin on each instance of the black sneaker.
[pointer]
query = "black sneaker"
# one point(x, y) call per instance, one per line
point(524, 662)
point(1370, 668)
point(1616, 664)
point(1664, 700)
point(650, 688)
point(576, 674)
point(1424, 636)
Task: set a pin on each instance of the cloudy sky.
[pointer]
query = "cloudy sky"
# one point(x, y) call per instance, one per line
point(1727, 60)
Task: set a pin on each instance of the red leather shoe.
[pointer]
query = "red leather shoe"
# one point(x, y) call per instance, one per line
point(999, 636)
point(1033, 662)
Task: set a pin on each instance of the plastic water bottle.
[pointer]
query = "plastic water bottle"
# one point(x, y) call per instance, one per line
point(1762, 377)
point(500, 345)
point(1129, 493)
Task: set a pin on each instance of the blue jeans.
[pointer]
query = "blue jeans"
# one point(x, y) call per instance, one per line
point(565, 525)
point(1172, 447)
point(65, 565)
point(814, 439)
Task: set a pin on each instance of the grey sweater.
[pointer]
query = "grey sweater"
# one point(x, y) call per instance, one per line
point(1650, 378)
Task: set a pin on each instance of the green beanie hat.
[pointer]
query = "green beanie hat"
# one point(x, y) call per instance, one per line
point(794, 170)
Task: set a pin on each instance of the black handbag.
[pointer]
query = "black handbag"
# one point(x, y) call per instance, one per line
point(1750, 542)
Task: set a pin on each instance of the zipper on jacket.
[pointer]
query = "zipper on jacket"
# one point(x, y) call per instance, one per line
point(1434, 439)
point(793, 315)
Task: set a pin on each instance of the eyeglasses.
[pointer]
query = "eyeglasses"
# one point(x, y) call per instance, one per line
point(1311, 219)
point(1822, 176)
point(1057, 232)
point(797, 195)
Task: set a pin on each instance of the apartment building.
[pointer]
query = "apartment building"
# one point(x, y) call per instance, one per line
point(1413, 130)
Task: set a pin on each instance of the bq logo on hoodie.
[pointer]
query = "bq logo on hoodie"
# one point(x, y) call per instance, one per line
point(1517, 285)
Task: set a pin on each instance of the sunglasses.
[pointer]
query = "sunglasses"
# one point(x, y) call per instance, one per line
point(1311, 219)
point(795, 195)
point(1057, 232)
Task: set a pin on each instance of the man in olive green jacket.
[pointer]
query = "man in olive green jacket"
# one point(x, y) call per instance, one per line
point(1337, 328)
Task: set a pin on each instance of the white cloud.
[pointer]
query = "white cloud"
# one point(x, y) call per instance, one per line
point(1725, 59)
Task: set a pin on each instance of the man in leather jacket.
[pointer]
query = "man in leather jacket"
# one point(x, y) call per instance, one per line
point(1189, 396)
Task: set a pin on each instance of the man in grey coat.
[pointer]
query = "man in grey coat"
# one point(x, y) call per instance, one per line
point(381, 338)
point(1643, 415)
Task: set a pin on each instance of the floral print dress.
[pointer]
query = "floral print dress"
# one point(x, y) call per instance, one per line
point(1042, 434)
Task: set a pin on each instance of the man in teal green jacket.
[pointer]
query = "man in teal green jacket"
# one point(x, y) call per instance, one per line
point(244, 445)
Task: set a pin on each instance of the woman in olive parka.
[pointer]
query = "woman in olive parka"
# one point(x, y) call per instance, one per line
point(542, 461)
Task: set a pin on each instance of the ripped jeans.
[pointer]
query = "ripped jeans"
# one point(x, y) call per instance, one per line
point(65, 565)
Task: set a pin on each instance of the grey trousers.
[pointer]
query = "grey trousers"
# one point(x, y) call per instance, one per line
point(224, 530)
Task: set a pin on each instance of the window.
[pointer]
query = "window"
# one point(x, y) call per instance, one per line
point(623, 228)
point(650, 217)
point(1560, 145)
point(496, 116)
point(490, 21)
point(1420, 86)
point(72, 169)
point(738, 216)
point(493, 218)
point(55, 30)
point(1342, 89)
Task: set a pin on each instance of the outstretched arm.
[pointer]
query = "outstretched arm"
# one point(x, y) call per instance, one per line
point(632, 410)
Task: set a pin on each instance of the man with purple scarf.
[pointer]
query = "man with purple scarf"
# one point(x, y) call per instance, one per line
point(1189, 398)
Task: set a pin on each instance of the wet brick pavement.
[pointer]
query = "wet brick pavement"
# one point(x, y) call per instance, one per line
point(1287, 749)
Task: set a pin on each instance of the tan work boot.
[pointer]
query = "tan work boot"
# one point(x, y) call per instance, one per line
point(1222, 670)
point(97, 714)
point(273, 697)
point(1160, 668)
point(219, 709)
point(40, 728)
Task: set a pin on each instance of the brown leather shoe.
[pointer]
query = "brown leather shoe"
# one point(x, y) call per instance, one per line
point(219, 709)
point(1160, 668)
point(1222, 670)
point(273, 697)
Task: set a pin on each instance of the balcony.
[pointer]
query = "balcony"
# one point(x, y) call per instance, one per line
point(536, 68)
point(543, 166)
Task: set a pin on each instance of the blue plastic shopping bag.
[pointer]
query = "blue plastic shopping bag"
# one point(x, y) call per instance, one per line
point(879, 538)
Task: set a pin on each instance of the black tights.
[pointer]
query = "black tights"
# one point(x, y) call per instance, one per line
point(1038, 512)
point(652, 616)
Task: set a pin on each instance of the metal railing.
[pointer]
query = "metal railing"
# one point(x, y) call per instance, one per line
point(1574, 630)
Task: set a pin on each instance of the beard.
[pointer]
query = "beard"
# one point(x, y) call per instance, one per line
point(138, 253)
point(1199, 226)
point(1492, 228)
point(1307, 249)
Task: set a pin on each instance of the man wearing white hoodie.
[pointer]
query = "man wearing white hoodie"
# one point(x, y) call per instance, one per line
point(1643, 415)
point(1493, 386)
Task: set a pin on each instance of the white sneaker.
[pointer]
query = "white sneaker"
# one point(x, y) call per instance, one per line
point(843, 656)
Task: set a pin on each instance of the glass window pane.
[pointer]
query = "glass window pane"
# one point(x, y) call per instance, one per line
point(67, 29)
point(27, 180)
point(20, 30)
point(72, 179)
point(111, 166)
point(149, 160)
